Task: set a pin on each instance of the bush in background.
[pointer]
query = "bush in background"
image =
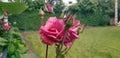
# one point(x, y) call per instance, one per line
point(29, 20)
point(94, 19)
point(26, 21)
point(90, 14)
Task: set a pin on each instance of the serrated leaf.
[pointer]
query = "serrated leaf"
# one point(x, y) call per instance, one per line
point(13, 7)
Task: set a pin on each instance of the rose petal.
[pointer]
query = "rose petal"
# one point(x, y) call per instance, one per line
point(50, 22)
point(68, 44)
point(46, 40)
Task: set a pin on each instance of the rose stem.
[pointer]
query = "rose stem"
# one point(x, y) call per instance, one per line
point(46, 56)
point(63, 41)
point(57, 50)
point(67, 50)
point(64, 50)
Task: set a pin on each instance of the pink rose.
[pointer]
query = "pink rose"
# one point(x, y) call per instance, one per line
point(52, 31)
point(72, 34)
point(7, 27)
point(49, 7)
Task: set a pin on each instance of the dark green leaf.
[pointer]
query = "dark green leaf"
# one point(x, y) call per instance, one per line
point(13, 7)
point(1, 12)
point(17, 54)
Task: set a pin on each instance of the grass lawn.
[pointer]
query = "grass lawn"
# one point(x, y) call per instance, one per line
point(96, 42)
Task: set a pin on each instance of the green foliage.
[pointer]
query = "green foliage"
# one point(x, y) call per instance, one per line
point(107, 7)
point(13, 7)
point(74, 9)
point(3, 42)
point(85, 7)
point(26, 20)
point(94, 13)
point(12, 40)
point(94, 19)
point(1, 12)
point(58, 9)
point(33, 5)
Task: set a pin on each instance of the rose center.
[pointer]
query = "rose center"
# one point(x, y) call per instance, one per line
point(53, 30)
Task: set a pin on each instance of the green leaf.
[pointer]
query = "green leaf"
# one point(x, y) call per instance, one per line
point(3, 42)
point(1, 12)
point(14, 7)
point(11, 48)
point(61, 56)
point(17, 54)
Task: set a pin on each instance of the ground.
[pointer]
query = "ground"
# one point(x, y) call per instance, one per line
point(94, 42)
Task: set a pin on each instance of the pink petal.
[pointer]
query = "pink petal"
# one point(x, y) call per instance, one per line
point(46, 40)
point(7, 27)
point(49, 7)
point(50, 22)
point(68, 44)
point(43, 30)
point(59, 25)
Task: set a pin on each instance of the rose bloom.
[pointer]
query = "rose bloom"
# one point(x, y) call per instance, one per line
point(49, 7)
point(72, 34)
point(52, 31)
point(6, 27)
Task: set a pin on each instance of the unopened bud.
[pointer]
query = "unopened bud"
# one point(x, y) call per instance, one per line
point(49, 7)
point(62, 15)
point(41, 12)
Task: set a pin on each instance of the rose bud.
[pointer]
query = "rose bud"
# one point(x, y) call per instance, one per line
point(41, 12)
point(49, 7)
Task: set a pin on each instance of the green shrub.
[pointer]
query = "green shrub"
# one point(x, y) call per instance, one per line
point(26, 20)
point(29, 20)
point(94, 19)
point(12, 43)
